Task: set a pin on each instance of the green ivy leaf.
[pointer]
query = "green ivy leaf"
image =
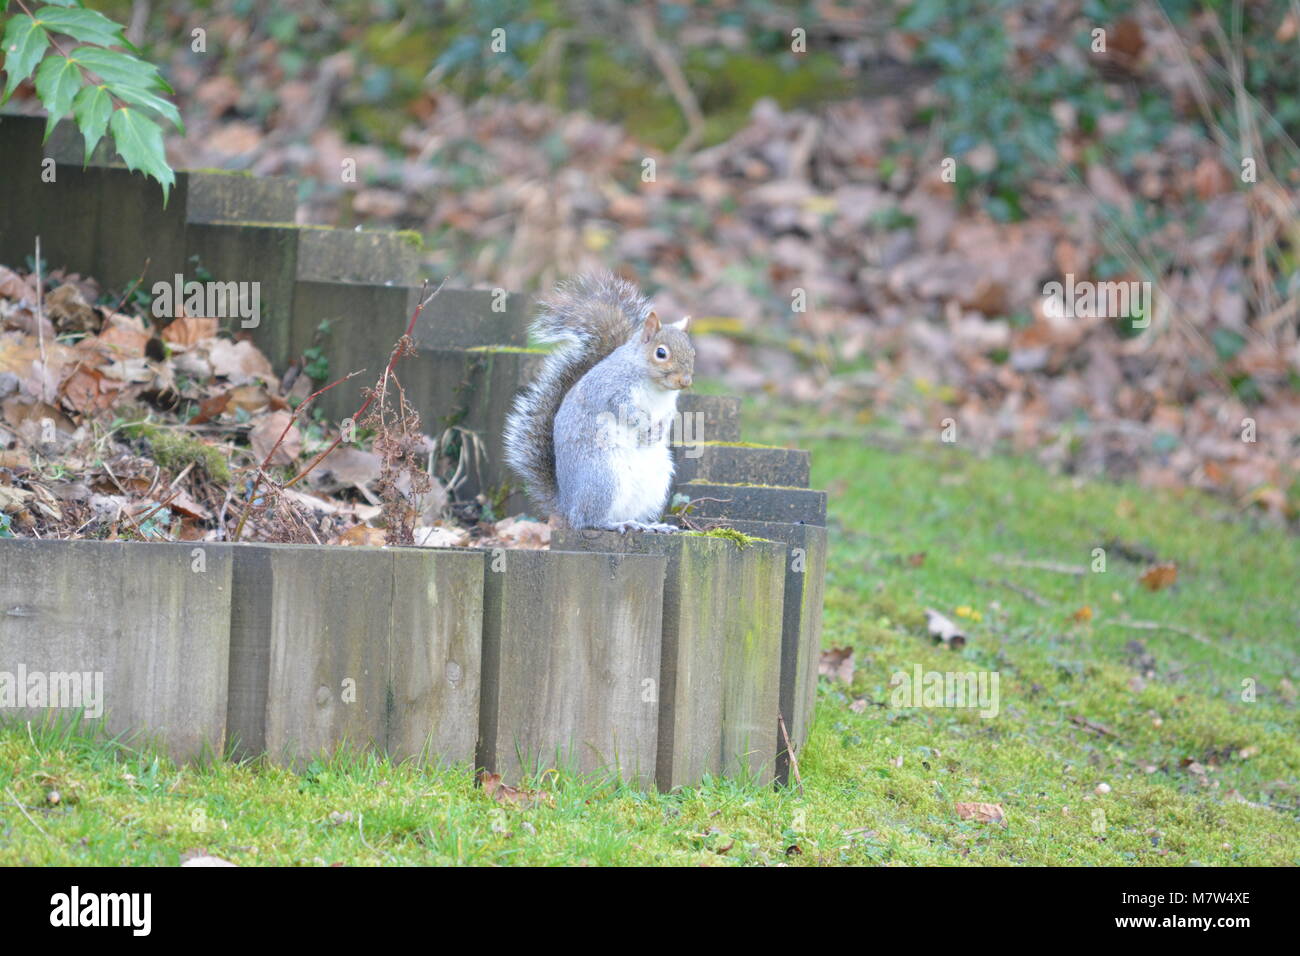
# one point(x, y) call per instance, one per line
point(140, 144)
point(92, 108)
point(88, 26)
point(115, 67)
point(144, 98)
point(57, 81)
point(1227, 343)
point(24, 43)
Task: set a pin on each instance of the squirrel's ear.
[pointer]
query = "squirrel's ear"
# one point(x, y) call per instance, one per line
point(651, 327)
point(680, 324)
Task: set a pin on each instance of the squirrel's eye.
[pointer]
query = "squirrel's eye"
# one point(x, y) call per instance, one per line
point(661, 353)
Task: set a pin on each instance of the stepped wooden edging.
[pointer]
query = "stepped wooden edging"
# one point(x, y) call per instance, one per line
point(723, 462)
point(654, 657)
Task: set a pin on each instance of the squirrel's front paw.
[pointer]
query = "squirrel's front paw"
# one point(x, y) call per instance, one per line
point(659, 527)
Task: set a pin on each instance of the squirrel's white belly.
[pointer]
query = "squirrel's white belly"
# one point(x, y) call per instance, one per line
point(643, 476)
point(644, 472)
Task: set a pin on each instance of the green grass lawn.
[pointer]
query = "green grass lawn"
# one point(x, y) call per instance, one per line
point(1125, 733)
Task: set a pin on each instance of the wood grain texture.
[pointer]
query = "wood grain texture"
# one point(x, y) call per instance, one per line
point(711, 417)
point(152, 618)
point(571, 663)
point(474, 389)
point(369, 647)
point(348, 255)
point(746, 502)
point(714, 462)
point(801, 631)
point(720, 667)
point(434, 661)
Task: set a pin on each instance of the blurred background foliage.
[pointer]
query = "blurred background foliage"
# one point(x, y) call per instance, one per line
point(818, 170)
point(996, 65)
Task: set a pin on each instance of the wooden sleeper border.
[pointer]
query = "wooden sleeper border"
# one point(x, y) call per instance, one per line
point(654, 658)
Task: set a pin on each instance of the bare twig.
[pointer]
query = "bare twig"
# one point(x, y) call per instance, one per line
point(1024, 592)
point(266, 462)
point(789, 749)
point(133, 286)
point(1177, 629)
point(125, 493)
point(177, 480)
point(392, 359)
point(158, 507)
point(674, 77)
point(138, 22)
point(40, 321)
point(1100, 729)
point(24, 812)
point(1054, 566)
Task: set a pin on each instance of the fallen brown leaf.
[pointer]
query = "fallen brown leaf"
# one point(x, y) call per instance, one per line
point(267, 432)
point(239, 362)
point(13, 500)
point(352, 466)
point(837, 664)
point(13, 286)
point(89, 391)
point(69, 311)
point(981, 812)
point(515, 796)
point(1159, 577)
point(181, 503)
point(211, 407)
point(521, 533)
point(361, 535)
point(187, 330)
point(441, 537)
point(123, 336)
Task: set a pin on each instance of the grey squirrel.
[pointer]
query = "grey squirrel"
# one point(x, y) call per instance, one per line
point(589, 437)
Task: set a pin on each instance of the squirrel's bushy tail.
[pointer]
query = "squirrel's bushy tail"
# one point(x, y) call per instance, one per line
point(588, 317)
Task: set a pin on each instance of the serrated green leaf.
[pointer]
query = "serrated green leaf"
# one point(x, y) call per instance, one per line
point(115, 67)
point(140, 144)
point(24, 43)
point(91, 109)
point(57, 81)
point(144, 98)
point(89, 26)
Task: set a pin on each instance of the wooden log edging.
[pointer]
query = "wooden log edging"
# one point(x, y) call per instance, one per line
point(104, 221)
point(144, 627)
point(375, 647)
point(720, 674)
point(364, 320)
point(754, 502)
point(801, 629)
point(514, 661)
point(571, 651)
point(731, 462)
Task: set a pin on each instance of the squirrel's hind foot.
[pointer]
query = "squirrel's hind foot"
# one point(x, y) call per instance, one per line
point(655, 527)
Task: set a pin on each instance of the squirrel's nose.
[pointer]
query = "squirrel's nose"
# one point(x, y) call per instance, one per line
point(685, 380)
